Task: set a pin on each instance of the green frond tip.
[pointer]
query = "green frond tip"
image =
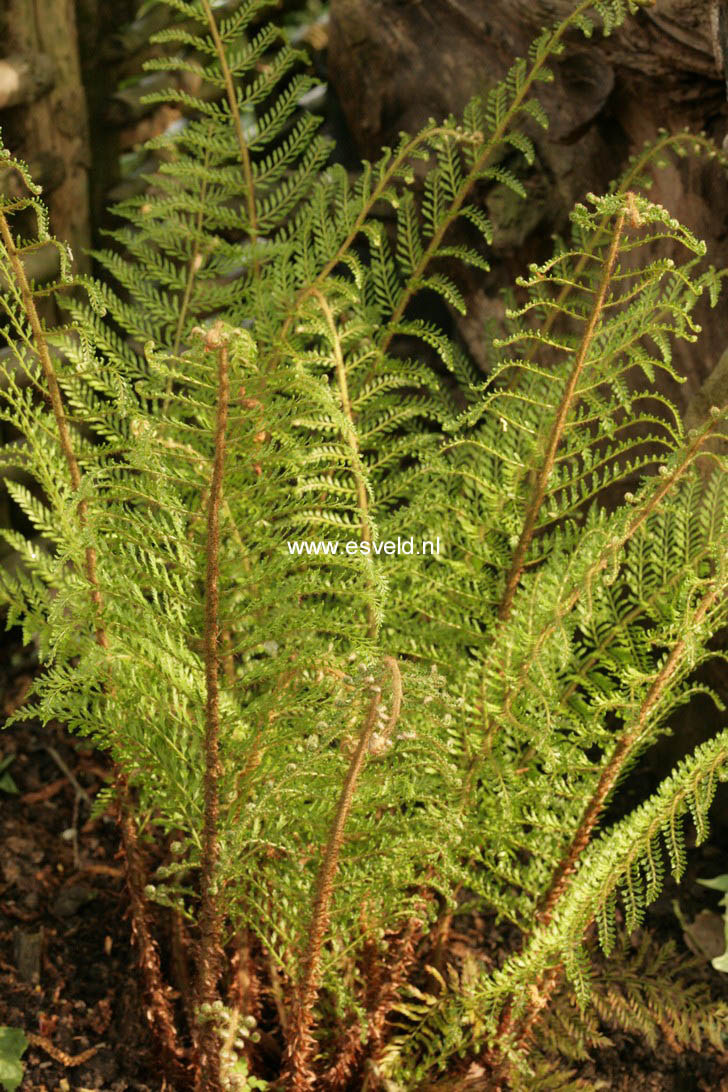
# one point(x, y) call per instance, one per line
point(626, 859)
point(10, 162)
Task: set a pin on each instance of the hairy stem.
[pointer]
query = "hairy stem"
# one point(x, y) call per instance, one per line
point(385, 974)
point(612, 770)
point(299, 1074)
point(519, 1031)
point(159, 1011)
point(207, 1078)
point(557, 429)
point(237, 122)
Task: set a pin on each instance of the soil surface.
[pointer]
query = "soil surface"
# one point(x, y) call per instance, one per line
point(68, 974)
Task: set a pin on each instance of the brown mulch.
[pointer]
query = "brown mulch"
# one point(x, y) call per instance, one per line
point(68, 976)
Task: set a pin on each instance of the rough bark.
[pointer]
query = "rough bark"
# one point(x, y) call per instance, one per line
point(56, 123)
point(24, 79)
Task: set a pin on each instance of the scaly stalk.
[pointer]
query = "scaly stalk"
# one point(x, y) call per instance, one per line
point(207, 1076)
point(557, 429)
point(299, 1076)
point(387, 973)
point(159, 1010)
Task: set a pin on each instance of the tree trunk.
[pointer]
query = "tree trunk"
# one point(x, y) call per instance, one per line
point(104, 52)
point(24, 79)
point(54, 124)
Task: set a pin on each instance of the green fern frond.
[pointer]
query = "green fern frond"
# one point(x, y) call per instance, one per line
point(394, 736)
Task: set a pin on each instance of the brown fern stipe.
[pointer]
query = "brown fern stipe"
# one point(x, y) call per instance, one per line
point(612, 770)
point(159, 1007)
point(299, 1076)
point(207, 1075)
point(159, 1011)
point(519, 1032)
point(539, 490)
point(388, 974)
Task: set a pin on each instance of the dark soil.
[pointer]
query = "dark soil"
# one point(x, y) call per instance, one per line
point(68, 974)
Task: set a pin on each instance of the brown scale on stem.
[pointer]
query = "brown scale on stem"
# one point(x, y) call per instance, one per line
point(299, 1076)
point(208, 1076)
point(384, 974)
point(557, 430)
point(519, 1031)
point(159, 1011)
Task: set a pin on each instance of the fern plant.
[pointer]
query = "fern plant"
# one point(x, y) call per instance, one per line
point(337, 751)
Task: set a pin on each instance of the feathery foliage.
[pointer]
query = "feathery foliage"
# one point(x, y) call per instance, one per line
point(336, 747)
